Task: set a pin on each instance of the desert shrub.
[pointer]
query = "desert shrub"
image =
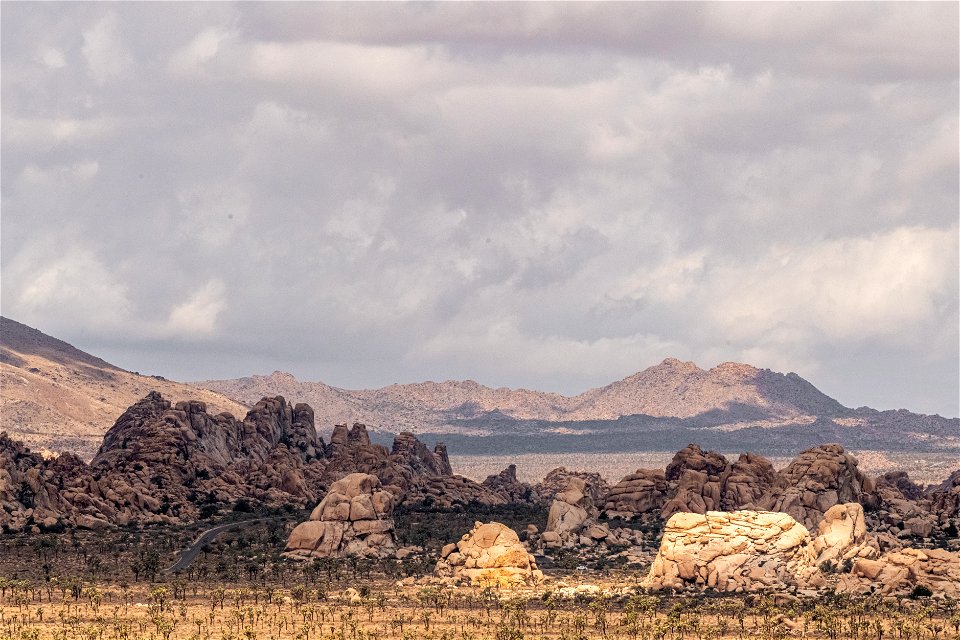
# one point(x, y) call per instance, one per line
point(921, 591)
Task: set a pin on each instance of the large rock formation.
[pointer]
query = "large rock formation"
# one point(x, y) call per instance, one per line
point(355, 518)
point(506, 485)
point(898, 573)
point(945, 500)
point(695, 476)
point(571, 508)
point(410, 471)
point(490, 555)
point(816, 480)
point(642, 491)
point(557, 480)
point(751, 551)
point(163, 463)
point(746, 481)
point(730, 551)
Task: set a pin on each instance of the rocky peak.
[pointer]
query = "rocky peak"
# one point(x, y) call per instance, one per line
point(411, 451)
point(443, 459)
point(358, 436)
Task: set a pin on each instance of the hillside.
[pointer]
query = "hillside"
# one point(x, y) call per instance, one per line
point(54, 396)
point(729, 406)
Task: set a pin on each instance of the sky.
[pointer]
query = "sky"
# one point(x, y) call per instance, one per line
point(545, 195)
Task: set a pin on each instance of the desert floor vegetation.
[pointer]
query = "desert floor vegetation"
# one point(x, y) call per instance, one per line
point(112, 586)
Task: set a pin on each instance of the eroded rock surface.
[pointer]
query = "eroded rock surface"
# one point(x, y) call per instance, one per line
point(490, 555)
point(163, 463)
point(506, 485)
point(642, 491)
point(730, 551)
point(816, 480)
point(355, 518)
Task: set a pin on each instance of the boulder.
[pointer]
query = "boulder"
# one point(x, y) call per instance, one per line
point(571, 507)
point(642, 491)
point(490, 555)
point(730, 551)
point(353, 519)
point(897, 573)
point(695, 478)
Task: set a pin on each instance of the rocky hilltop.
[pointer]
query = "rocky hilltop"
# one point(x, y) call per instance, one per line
point(174, 463)
point(729, 406)
point(59, 398)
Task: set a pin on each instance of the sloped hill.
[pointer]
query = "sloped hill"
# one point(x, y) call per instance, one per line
point(54, 396)
point(728, 393)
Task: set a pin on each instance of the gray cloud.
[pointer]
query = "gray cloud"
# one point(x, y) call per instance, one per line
point(541, 195)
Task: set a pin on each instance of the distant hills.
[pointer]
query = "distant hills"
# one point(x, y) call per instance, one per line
point(731, 407)
point(54, 396)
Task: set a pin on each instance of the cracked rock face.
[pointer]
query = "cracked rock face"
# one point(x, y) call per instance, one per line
point(816, 480)
point(730, 551)
point(744, 551)
point(354, 519)
point(490, 555)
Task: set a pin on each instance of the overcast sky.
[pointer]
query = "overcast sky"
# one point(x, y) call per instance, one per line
point(544, 195)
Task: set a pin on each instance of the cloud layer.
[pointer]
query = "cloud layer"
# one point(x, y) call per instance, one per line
point(542, 195)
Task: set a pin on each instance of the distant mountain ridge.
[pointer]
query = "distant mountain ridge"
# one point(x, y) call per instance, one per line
point(732, 404)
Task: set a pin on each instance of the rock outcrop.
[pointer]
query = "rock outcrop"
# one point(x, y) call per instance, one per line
point(945, 500)
point(164, 463)
point(490, 555)
point(746, 482)
point(642, 491)
point(355, 518)
point(571, 508)
point(731, 551)
point(410, 471)
point(695, 476)
point(557, 480)
point(898, 573)
point(750, 551)
point(816, 480)
point(506, 485)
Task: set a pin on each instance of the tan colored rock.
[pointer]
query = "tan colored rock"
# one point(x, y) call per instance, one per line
point(354, 518)
point(490, 555)
point(730, 551)
point(842, 534)
point(571, 508)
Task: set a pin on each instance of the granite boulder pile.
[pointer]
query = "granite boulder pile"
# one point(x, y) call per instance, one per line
point(355, 518)
point(491, 555)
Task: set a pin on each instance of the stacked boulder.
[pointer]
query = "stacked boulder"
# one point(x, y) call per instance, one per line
point(730, 551)
point(642, 491)
point(491, 555)
point(695, 476)
point(354, 519)
point(816, 480)
point(573, 522)
point(557, 480)
point(745, 551)
point(898, 573)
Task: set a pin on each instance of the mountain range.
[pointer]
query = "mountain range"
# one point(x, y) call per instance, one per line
point(55, 396)
point(663, 407)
